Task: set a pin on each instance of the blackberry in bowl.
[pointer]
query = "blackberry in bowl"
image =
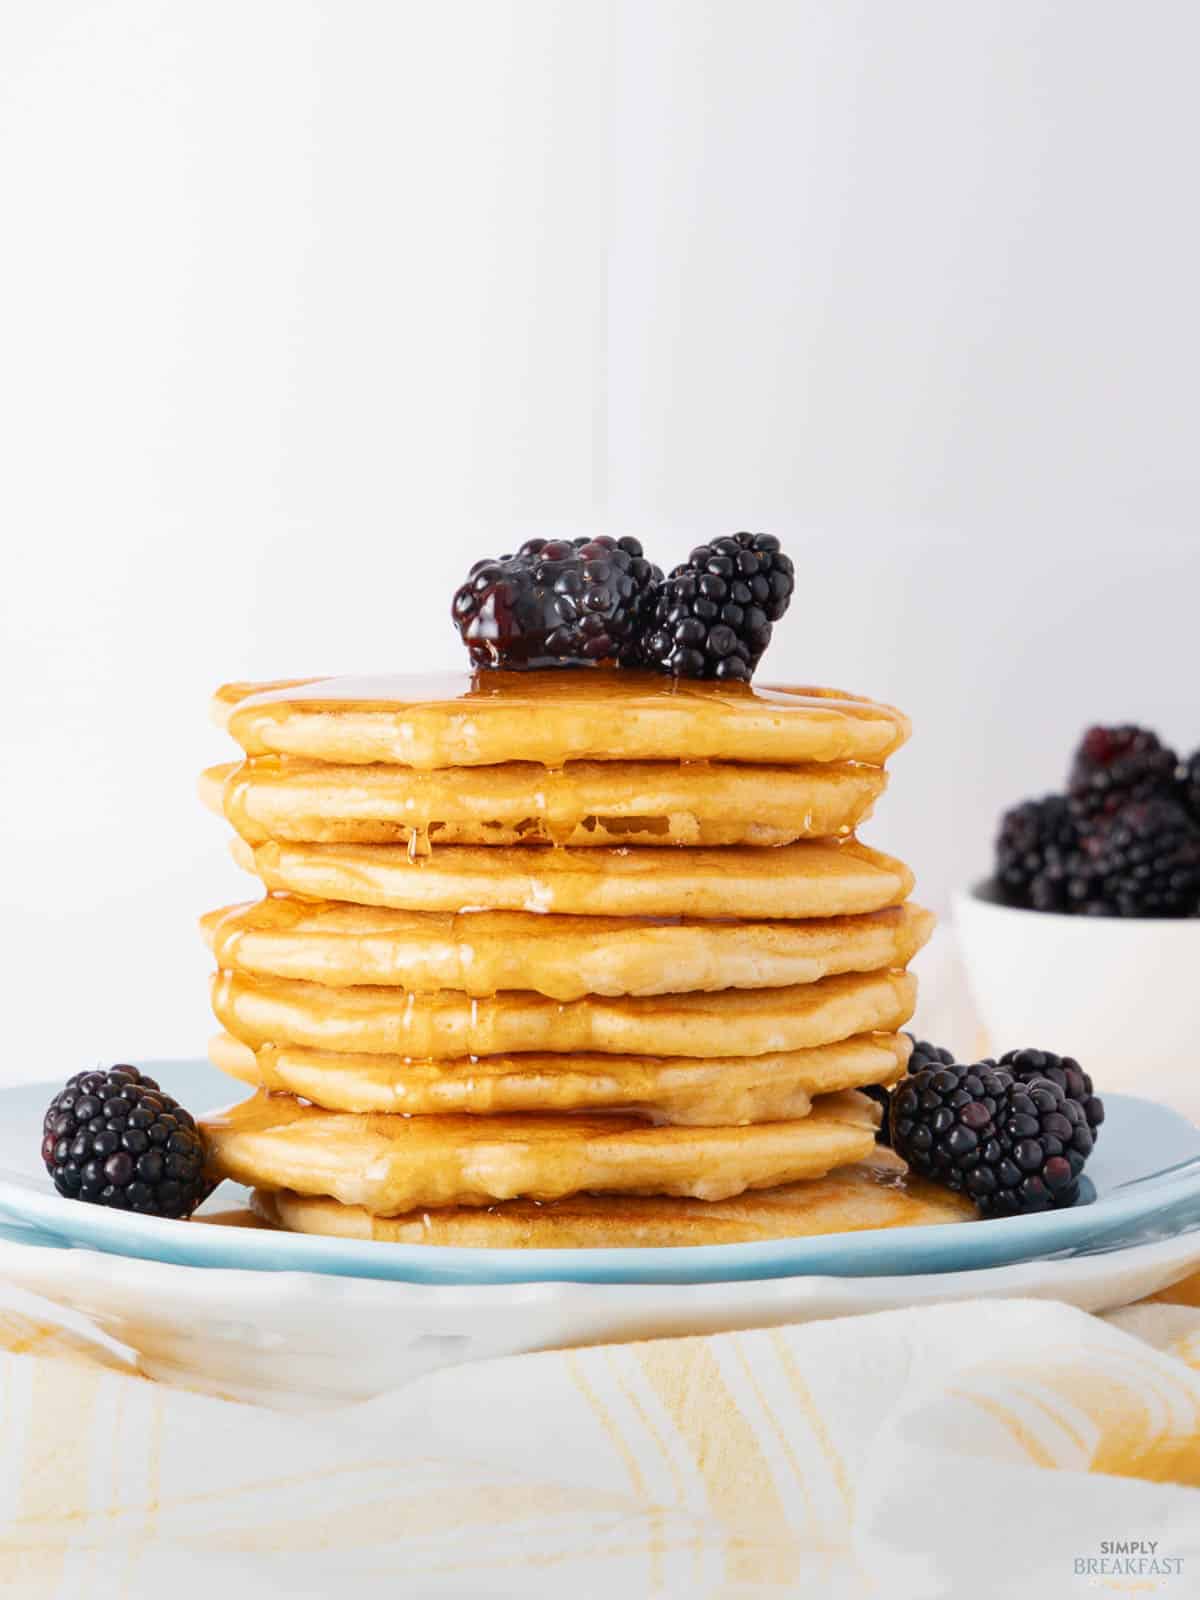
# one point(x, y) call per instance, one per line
point(1035, 845)
point(1116, 765)
point(1085, 933)
point(1143, 861)
point(1188, 786)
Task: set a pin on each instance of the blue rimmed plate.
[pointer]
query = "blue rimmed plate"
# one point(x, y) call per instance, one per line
point(1145, 1177)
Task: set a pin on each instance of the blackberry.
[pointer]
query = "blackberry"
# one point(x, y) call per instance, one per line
point(1013, 1147)
point(1143, 862)
point(1023, 1066)
point(1033, 850)
point(557, 603)
point(1115, 765)
point(940, 1115)
point(883, 1099)
point(1034, 1159)
point(713, 615)
point(1188, 786)
point(925, 1054)
point(115, 1139)
point(1065, 1071)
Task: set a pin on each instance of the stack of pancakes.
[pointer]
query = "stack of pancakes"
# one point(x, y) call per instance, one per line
point(562, 958)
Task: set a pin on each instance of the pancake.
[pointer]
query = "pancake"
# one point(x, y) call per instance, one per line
point(875, 1193)
point(445, 1024)
point(394, 1164)
point(795, 880)
point(583, 803)
point(482, 952)
point(722, 1092)
point(468, 720)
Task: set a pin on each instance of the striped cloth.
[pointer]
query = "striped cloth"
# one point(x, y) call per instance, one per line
point(987, 1449)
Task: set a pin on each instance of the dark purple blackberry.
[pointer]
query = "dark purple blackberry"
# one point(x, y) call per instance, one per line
point(557, 603)
point(941, 1113)
point(1033, 1160)
point(1142, 862)
point(1065, 1071)
point(925, 1055)
point(1114, 766)
point(713, 615)
point(1033, 850)
point(1012, 1147)
point(1188, 786)
point(1023, 1066)
point(115, 1139)
point(883, 1099)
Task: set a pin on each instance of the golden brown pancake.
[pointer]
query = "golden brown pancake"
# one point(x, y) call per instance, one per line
point(445, 1024)
point(584, 803)
point(460, 719)
point(483, 952)
point(875, 1193)
point(796, 880)
point(390, 1164)
point(723, 1092)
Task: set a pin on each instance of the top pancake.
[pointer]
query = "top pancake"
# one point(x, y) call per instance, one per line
point(461, 719)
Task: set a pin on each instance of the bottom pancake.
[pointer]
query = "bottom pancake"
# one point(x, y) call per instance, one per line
point(722, 1092)
point(391, 1164)
point(876, 1193)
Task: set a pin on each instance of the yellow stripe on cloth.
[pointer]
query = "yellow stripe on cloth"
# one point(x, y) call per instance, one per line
point(688, 1378)
point(48, 1410)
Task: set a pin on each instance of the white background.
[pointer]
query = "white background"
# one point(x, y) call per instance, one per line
point(305, 306)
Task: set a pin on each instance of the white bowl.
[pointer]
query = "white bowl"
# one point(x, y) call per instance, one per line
point(1121, 994)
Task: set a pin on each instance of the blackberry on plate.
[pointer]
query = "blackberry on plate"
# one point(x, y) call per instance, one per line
point(1144, 862)
point(1033, 1162)
point(557, 603)
point(1065, 1071)
point(940, 1114)
point(1023, 1066)
point(925, 1054)
point(1115, 765)
point(1188, 778)
point(883, 1099)
point(1034, 848)
point(115, 1139)
point(1013, 1147)
point(713, 615)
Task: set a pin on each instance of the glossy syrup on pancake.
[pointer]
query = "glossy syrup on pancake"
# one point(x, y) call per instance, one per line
point(722, 1092)
point(444, 720)
point(391, 1164)
point(875, 1193)
point(810, 879)
point(517, 802)
point(481, 953)
point(447, 1024)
